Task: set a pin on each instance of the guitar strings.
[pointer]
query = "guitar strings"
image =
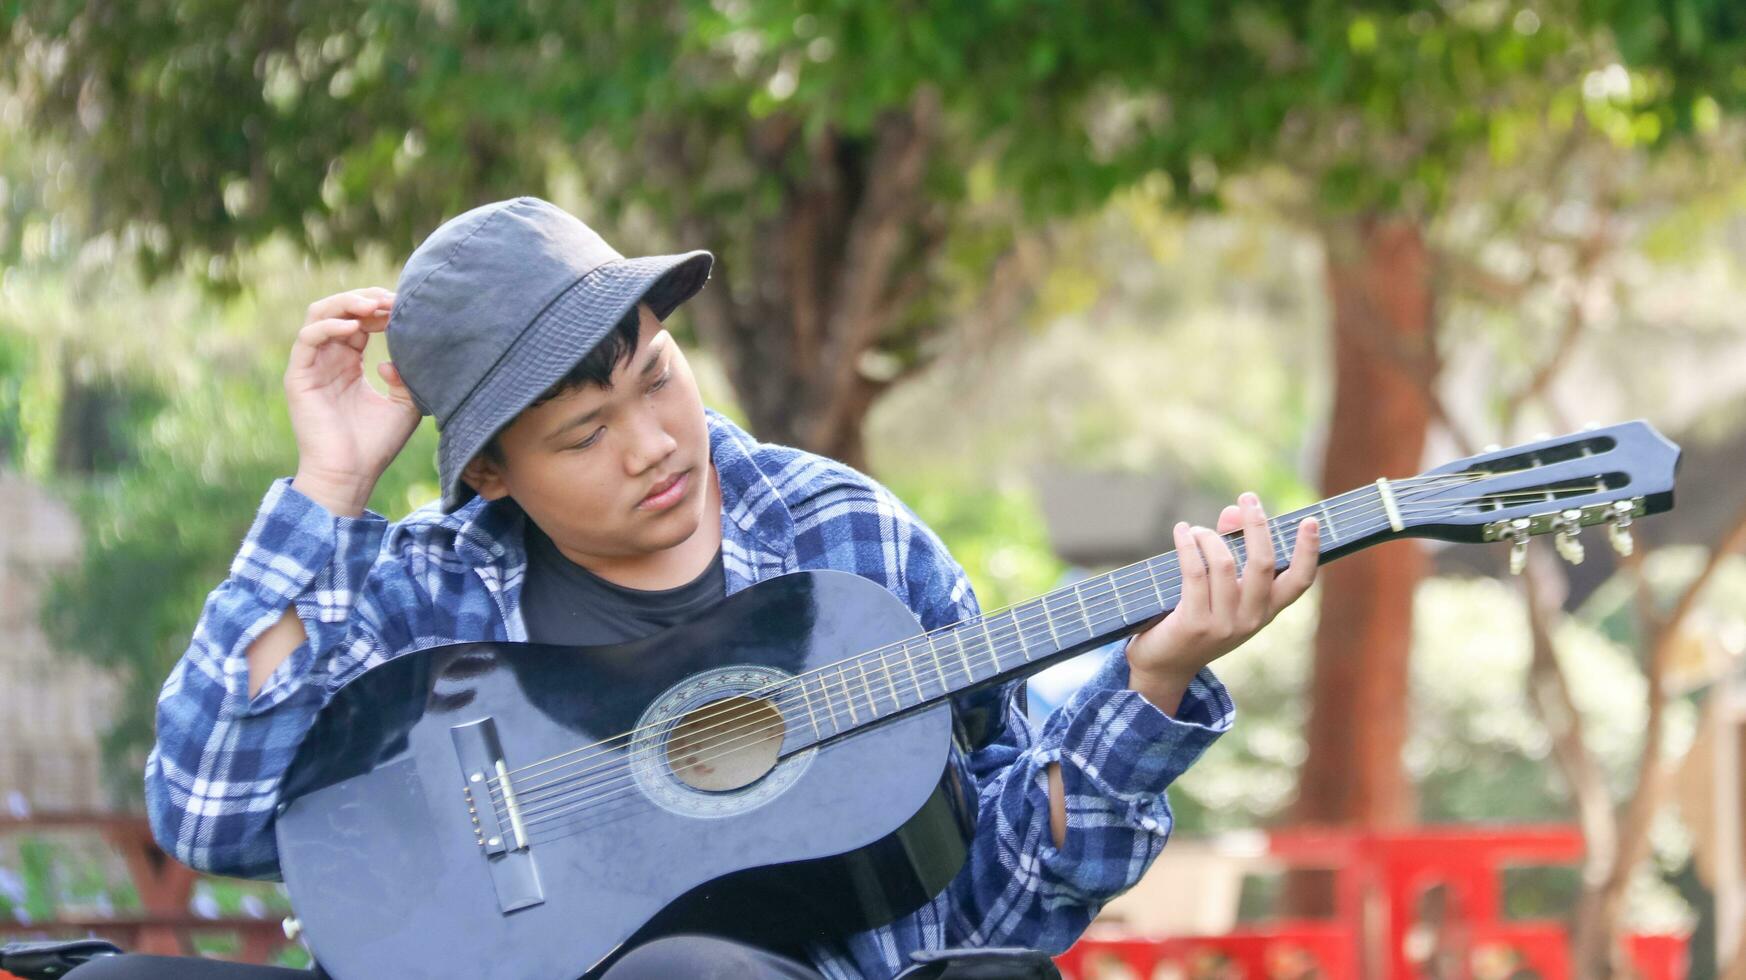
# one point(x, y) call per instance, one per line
point(555, 807)
point(578, 793)
point(1347, 510)
point(1018, 627)
point(869, 690)
point(619, 778)
point(758, 729)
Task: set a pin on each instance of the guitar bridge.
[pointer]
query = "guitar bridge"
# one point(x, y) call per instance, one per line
point(502, 838)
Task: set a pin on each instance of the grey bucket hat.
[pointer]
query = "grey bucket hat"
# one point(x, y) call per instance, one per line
point(500, 303)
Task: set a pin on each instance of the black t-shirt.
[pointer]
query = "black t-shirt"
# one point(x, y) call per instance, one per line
point(564, 603)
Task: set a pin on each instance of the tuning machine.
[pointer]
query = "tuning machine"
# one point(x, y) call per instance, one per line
point(1567, 525)
point(1619, 527)
point(1517, 534)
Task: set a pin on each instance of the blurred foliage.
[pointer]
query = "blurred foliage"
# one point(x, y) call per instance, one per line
point(77, 875)
point(205, 432)
point(160, 534)
point(1146, 320)
point(15, 362)
point(210, 127)
point(1478, 752)
point(993, 529)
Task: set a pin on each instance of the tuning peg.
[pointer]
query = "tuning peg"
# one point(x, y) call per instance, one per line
point(1620, 536)
point(1569, 525)
point(1492, 447)
point(1619, 528)
point(1518, 535)
point(1568, 547)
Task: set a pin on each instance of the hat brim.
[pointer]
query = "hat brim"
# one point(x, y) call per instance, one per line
point(562, 334)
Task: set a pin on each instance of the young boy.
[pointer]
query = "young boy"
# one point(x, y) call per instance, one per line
point(589, 497)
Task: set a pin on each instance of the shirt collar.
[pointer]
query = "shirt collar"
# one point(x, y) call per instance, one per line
point(754, 512)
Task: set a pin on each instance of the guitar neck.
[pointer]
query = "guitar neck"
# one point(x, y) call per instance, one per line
point(1022, 639)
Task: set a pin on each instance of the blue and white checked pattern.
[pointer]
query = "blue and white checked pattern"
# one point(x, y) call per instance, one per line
point(366, 591)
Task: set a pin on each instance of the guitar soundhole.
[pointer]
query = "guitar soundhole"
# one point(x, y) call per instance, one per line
point(726, 744)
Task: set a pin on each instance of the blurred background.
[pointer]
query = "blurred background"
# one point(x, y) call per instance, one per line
point(1059, 274)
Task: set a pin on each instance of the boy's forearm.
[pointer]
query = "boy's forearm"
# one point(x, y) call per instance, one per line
point(272, 647)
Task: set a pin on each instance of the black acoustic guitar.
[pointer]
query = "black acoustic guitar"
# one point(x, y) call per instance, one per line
point(774, 770)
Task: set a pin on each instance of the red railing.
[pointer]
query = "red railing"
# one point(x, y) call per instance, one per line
point(164, 925)
point(1379, 882)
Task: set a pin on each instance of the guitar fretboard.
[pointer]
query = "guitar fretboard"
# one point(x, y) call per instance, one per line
point(1024, 638)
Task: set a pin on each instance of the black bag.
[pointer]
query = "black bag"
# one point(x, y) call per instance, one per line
point(49, 960)
point(992, 963)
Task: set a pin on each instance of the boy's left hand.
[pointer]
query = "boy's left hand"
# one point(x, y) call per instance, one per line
point(1218, 609)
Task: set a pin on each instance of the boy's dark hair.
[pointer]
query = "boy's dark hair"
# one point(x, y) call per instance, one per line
point(595, 368)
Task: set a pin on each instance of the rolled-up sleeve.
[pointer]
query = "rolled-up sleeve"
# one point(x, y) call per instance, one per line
point(212, 778)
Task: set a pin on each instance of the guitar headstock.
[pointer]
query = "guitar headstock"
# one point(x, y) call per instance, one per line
point(1558, 486)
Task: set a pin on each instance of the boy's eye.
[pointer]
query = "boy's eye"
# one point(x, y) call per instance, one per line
point(591, 440)
point(661, 382)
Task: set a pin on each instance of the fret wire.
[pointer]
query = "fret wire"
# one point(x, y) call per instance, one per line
point(843, 679)
point(1064, 622)
point(825, 695)
point(944, 687)
point(872, 706)
point(963, 655)
point(1019, 634)
point(1049, 620)
point(1102, 604)
point(816, 731)
point(994, 654)
point(1113, 587)
point(914, 674)
point(1327, 519)
point(889, 683)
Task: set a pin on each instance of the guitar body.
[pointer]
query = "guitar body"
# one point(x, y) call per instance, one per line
point(391, 875)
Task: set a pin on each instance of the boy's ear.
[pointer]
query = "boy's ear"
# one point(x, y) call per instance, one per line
point(485, 476)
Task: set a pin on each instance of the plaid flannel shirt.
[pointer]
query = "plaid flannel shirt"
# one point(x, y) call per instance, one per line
point(367, 590)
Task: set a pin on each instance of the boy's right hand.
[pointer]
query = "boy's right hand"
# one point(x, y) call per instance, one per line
point(347, 432)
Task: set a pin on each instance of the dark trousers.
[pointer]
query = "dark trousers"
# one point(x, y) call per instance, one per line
point(700, 957)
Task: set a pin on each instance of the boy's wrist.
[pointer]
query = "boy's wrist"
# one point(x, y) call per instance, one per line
point(1164, 688)
point(341, 498)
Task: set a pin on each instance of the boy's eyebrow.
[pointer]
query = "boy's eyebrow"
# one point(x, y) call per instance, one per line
point(649, 365)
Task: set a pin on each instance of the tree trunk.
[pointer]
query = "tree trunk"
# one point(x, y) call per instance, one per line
point(826, 283)
point(1379, 281)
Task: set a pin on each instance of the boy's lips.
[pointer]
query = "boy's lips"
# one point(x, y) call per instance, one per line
point(665, 493)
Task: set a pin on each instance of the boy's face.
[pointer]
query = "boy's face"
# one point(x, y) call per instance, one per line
point(584, 465)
